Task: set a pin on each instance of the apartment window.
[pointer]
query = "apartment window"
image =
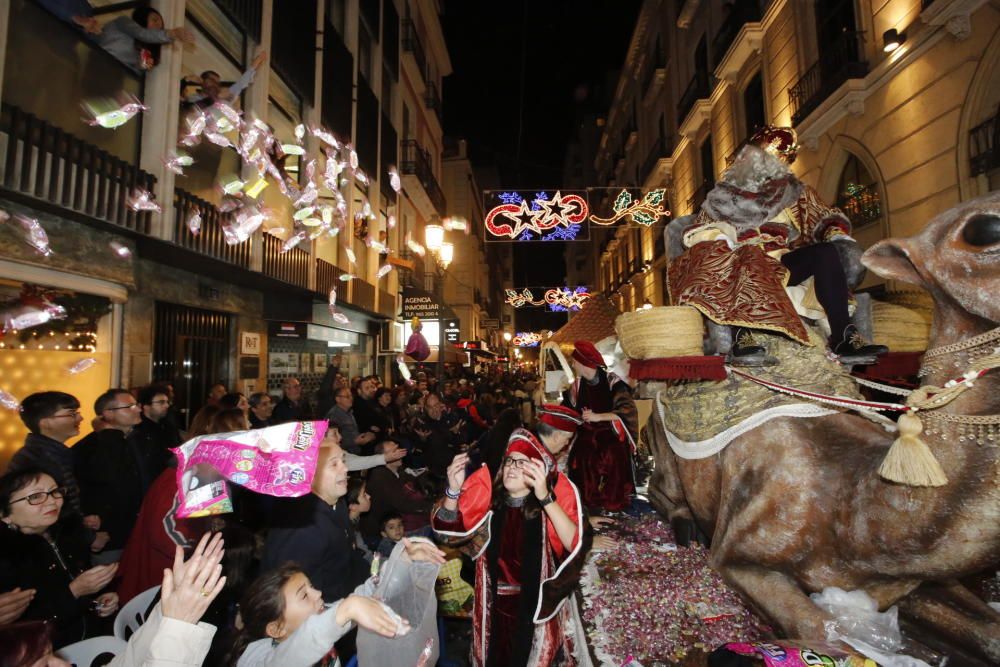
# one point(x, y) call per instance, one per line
point(707, 161)
point(336, 14)
point(753, 105)
point(858, 194)
point(386, 91)
point(364, 51)
point(406, 122)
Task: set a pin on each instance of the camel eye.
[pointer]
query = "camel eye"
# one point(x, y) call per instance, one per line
point(982, 230)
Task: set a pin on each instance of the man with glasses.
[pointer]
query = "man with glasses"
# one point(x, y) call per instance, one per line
point(153, 437)
point(108, 469)
point(342, 415)
point(261, 407)
point(53, 417)
point(293, 406)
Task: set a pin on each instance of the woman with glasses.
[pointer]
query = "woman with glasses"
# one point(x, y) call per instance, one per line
point(525, 529)
point(46, 549)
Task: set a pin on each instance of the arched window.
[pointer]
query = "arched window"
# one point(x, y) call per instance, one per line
point(858, 194)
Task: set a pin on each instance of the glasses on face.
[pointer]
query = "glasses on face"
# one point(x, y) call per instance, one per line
point(516, 464)
point(124, 407)
point(162, 401)
point(39, 497)
point(74, 415)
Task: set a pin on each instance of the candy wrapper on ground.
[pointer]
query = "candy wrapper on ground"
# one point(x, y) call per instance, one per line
point(275, 461)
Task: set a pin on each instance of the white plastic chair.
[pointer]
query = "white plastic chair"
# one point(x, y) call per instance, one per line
point(85, 653)
point(134, 614)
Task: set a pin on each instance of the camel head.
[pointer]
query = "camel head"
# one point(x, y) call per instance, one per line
point(956, 258)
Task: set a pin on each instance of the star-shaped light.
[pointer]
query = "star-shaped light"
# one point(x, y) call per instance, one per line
point(524, 219)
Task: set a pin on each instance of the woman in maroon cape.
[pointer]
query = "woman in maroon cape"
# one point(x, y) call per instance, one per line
point(601, 459)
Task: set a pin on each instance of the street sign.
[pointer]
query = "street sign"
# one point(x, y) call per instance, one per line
point(489, 323)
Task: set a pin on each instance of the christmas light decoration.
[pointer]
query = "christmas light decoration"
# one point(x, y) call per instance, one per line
point(556, 299)
point(527, 339)
point(546, 218)
point(643, 211)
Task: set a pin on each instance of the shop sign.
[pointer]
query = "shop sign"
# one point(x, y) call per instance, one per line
point(249, 343)
point(287, 329)
point(249, 368)
point(489, 323)
point(420, 303)
point(451, 331)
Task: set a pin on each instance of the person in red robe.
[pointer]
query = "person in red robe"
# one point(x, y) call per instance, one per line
point(527, 532)
point(600, 462)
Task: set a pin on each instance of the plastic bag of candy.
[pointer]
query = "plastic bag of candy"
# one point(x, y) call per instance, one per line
point(275, 461)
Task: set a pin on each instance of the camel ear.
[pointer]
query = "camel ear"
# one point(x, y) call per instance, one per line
point(891, 259)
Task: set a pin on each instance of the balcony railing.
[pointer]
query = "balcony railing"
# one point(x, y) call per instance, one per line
point(697, 89)
point(386, 303)
point(412, 45)
point(740, 13)
point(984, 146)
point(363, 294)
point(292, 266)
point(328, 277)
point(54, 167)
point(211, 239)
point(433, 99)
point(417, 162)
point(839, 61)
point(698, 198)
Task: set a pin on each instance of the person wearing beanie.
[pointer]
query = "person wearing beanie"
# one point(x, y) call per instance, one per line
point(600, 462)
point(525, 528)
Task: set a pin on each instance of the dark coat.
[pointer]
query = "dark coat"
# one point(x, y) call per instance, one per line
point(152, 442)
point(320, 538)
point(30, 561)
point(286, 411)
point(109, 472)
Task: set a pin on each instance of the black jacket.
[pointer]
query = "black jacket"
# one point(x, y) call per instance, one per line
point(53, 457)
point(30, 561)
point(286, 411)
point(108, 470)
point(152, 442)
point(321, 540)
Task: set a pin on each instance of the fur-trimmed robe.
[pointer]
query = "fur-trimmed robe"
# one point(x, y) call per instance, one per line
point(471, 530)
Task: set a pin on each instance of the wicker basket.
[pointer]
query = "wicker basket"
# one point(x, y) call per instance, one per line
point(901, 329)
point(656, 333)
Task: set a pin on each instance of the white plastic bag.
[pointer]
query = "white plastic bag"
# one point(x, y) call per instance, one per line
point(408, 588)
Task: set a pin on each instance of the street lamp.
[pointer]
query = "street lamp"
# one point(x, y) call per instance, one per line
point(507, 336)
point(446, 253)
point(433, 237)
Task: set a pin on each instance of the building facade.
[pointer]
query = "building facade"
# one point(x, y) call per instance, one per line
point(149, 299)
point(891, 135)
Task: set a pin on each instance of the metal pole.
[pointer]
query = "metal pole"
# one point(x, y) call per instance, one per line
point(440, 297)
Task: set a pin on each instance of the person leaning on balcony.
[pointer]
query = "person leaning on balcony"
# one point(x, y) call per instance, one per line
point(209, 89)
point(135, 41)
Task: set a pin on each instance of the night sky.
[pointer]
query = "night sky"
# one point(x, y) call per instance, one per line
point(568, 49)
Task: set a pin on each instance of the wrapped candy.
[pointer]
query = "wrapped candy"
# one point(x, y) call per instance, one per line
point(194, 223)
point(8, 401)
point(293, 149)
point(326, 137)
point(350, 255)
point(120, 249)
point(341, 318)
point(143, 200)
point(293, 241)
point(32, 232)
point(176, 161)
point(276, 461)
point(82, 366)
point(347, 277)
point(383, 271)
point(115, 117)
point(394, 181)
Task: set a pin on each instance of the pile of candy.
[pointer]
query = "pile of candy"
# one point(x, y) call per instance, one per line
point(653, 600)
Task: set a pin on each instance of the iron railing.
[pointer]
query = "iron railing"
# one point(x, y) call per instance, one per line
point(328, 277)
point(413, 46)
point(291, 266)
point(696, 89)
point(363, 294)
point(433, 99)
point(839, 61)
point(984, 146)
point(417, 162)
point(386, 303)
point(48, 164)
point(210, 239)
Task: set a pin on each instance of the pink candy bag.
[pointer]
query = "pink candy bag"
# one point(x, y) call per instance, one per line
point(275, 461)
point(792, 654)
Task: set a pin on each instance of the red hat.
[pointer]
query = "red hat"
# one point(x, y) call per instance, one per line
point(560, 417)
point(525, 442)
point(585, 352)
point(780, 141)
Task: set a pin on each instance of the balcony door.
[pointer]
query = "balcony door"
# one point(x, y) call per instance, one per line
point(838, 39)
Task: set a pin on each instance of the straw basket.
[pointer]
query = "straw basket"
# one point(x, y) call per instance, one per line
point(901, 329)
point(657, 333)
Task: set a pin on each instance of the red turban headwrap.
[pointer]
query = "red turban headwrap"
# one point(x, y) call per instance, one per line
point(585, 352)
point(560, 417)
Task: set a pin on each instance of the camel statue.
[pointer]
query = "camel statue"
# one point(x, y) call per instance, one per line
point(796, 505)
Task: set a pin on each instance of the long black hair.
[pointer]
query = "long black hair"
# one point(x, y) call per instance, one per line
point(264, 603)
point(141, 16)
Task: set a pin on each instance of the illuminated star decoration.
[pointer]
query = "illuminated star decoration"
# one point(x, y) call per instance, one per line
point(527, 339)
point(557, 299)
point(644, 211)
point(544, 216)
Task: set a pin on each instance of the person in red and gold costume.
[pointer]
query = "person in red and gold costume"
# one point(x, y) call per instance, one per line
point(600, 461)
point(759, 231)
point(526, 530)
